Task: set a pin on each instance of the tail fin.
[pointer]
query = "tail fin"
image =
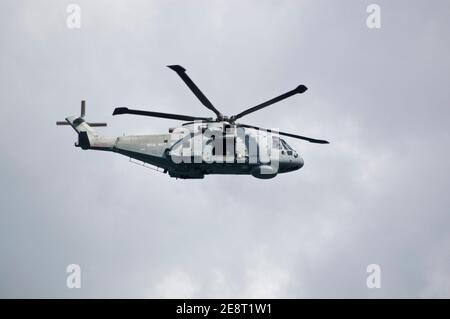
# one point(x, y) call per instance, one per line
point(87, 137)
point(82, 114)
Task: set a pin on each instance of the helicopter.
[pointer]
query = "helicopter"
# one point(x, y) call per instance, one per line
point(201, 145)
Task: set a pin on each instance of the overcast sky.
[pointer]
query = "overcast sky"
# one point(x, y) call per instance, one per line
point(378, 194)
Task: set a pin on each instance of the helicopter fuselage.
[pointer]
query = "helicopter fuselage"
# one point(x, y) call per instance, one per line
point(198, 149)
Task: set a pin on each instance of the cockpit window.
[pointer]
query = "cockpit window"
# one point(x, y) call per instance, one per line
point(285, 145)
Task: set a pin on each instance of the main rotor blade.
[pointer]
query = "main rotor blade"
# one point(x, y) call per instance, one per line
point(125, 110)
point(97, 124)
point(309, 139)
point(83, 108)
point(199, 94)
point(298, 90)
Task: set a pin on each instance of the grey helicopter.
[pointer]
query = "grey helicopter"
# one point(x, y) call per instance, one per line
point(202, 145)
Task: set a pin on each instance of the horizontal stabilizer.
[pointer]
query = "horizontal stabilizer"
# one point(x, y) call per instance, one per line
point(81, 118)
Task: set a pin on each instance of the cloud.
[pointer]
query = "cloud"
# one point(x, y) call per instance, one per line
point(176, 285)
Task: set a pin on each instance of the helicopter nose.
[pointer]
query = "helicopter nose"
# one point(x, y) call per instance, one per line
point(298, 162)
point(292, 164)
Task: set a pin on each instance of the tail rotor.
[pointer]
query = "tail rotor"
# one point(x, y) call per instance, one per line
point(82, 115)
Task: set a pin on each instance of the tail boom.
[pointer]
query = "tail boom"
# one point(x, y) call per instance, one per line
point(87, 136)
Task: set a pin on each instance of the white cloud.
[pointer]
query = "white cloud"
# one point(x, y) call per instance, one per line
point(176, 284)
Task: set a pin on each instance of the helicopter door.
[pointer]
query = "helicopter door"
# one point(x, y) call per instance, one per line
point(220, 148)
point(251, 149)
point(241, 150)
point(264, 148)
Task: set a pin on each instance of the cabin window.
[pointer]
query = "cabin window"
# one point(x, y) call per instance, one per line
point(287, 147)
point(223, 145)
